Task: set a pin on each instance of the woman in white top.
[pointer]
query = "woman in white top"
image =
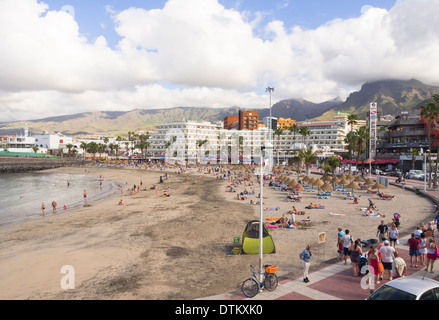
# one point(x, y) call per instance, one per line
point(431, 254)
point(422, 248)
point(393, 235)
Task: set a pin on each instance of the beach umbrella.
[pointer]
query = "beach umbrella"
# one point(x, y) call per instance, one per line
point(353, 185)
point(293, 183)
point(325, 178)
point(378, 185)
point(318, 183)
point(299, 187)
point(359, 179)
point(343, 181)
point(326, 187)
point(350, 177)
point(369, 182)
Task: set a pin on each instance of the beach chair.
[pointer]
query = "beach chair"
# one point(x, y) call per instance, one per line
point(323, 196)
point(372, 191)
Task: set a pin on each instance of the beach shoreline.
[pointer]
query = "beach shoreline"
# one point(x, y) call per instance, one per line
point(169, 248)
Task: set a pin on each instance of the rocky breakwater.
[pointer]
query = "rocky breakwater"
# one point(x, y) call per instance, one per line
point(25, 164)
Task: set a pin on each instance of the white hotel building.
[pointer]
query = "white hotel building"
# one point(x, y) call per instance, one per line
point(180, 141)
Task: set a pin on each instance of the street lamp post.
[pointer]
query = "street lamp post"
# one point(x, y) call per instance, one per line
point(270, 90)
point(267, 147)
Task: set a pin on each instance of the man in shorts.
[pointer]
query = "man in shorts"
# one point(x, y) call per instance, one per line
point(413, 250)
point(347, 242)
point(387, 258)
point(382, 231)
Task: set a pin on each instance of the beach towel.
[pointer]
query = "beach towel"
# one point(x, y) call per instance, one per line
point(272, 209)
point(336, 214)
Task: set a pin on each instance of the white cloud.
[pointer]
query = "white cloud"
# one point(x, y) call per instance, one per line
point(213, 55)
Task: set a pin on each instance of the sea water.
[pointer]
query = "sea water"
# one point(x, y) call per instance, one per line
point(22, 194)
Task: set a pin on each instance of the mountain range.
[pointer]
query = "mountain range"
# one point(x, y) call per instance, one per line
point(392, 96)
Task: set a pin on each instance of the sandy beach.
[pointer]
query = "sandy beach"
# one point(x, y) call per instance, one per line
point(154, 247)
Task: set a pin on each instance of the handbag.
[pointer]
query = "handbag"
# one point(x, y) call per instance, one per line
point(380, 267)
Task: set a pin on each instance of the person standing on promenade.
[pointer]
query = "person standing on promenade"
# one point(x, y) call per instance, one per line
point(305, 256)
point(356, 251)
point(347, 242)
point(382, 231)
point(422, 249)
point(340, 234)
point(413, 250)
point(387, 258)
point(374, 262)
point(393, 234)
point(431, 254)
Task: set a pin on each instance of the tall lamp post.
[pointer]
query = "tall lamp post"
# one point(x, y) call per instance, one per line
point(266, 147)
point(425, 167)
point(270, 90)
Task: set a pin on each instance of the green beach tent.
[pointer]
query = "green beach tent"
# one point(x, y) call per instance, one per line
point(250, 239)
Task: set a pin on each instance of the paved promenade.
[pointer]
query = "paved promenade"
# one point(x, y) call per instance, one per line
point(335, 282)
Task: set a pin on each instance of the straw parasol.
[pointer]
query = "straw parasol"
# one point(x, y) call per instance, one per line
point(359, 179)
point(378, 185)
point(299, 187)
point(318, 183)
point(325, 178)
point(369, 182)
point(350, 177)
point(293, 183)
point(353, 185)
point(343, 181)
point(326, 187)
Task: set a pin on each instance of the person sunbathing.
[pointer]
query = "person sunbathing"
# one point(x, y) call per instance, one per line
point(355, 200)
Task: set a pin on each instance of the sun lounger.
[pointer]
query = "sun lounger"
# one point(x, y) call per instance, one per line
point(323, 196)
point(372, 191)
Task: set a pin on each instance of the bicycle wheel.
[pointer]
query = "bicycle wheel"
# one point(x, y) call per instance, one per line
point(250, 287)
point(271, 281)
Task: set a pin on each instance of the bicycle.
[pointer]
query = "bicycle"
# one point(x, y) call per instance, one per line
point(252, 286)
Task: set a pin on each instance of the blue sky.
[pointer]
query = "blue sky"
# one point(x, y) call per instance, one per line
point(121, 55)
point(95, 20)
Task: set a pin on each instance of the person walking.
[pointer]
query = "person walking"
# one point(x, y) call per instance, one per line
point(356, 252)
point(382, 230)
point(422, 249)
point(387, 253)
point(347, 242)
point(305, 256)
point(374, 265)
point(393, 235)
point(413, 250)
point(340, 234)
point(43, 208)
point(431, 254)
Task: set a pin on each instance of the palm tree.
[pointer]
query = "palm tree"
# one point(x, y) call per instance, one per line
point(304, 131)
point(331, 164)
point(352, 120)
point(361, 136)
point(294, 129)
point(308, 157)
point(84, 147)
point(350, 141)
point(199, 143)
point(69, 147)
point(35, 149)
point(430, 112)
point(413, 152)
